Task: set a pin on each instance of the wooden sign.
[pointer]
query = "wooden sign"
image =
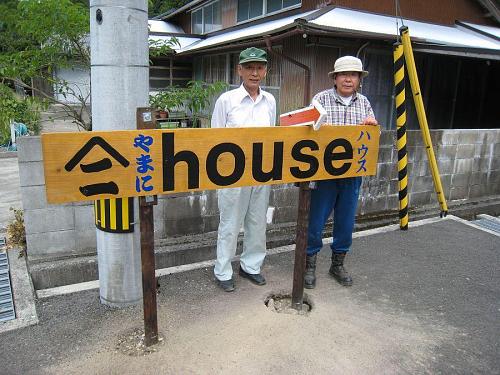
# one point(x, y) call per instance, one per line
point(96, 165)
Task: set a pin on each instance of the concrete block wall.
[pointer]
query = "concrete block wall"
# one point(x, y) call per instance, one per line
point(197, 212)
point(52, 231)
point(469, 163)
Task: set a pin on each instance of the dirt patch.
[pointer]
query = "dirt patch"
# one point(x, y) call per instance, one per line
point(282, 303)
point(132, 344)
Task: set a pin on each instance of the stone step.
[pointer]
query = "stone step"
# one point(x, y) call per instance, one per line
point(57, 119)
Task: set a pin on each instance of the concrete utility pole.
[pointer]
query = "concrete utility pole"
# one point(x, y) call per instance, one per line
point(120, 84)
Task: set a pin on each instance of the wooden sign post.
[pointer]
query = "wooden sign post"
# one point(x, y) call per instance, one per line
point(148, 269)
point(313, 115)
point(146, 120)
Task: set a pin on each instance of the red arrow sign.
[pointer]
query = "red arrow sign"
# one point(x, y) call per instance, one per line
point(314, 115)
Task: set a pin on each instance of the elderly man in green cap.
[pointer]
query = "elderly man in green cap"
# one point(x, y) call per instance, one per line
point(248, 105)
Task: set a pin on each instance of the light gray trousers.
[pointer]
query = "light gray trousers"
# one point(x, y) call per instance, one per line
point(245, 206)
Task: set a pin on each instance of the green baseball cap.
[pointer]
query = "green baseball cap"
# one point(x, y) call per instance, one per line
point(253, 54)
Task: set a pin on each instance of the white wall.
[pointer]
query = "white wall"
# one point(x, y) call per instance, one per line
point(78, 79)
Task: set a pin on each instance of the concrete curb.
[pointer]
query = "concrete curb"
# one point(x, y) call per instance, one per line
point(471, 224)
point(8, 154)
point(22, 289)
point(488, 217)
point(74, 288)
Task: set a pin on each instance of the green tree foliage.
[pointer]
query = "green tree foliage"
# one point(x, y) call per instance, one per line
point(85, 3)
point(165, 47)
point(36, 36)
point(52, 32)
point(14, 108)
point(157, 7)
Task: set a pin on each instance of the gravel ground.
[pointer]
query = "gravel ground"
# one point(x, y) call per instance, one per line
point(423, 301)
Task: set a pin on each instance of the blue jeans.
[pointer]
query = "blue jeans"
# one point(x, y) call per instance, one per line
point(341, 196)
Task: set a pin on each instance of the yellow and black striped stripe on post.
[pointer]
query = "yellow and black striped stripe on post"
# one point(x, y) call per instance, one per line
point(399, 83)
point(114, 215)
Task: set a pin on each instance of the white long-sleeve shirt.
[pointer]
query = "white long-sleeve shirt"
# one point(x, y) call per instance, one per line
point(235, 108)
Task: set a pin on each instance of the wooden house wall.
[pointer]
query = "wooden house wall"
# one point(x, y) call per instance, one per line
point(444, 12)
point(441, 11)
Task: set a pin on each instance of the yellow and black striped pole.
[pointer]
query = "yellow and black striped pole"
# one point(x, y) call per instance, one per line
point(399, 85)
point(115, 215)
point(422, 118)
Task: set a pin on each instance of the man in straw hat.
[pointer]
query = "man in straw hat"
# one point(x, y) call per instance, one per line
point(248, 105)
point(344, 106)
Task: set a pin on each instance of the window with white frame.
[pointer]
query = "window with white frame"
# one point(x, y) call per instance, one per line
point(249, 9)
point(206, 18)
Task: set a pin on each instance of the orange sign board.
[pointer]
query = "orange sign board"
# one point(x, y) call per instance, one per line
point(96, 165)
point(313, 115)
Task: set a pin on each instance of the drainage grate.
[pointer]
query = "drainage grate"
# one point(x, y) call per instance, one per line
point(490, 224)
point(6, 302)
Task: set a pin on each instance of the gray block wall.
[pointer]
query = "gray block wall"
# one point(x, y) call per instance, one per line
point(52, 231)
point(469, 163)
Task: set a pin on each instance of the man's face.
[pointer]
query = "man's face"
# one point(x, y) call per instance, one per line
point(252, 73)
point(347, 82)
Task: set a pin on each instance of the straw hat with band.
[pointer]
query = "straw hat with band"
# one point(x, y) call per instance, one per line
point(348, 64)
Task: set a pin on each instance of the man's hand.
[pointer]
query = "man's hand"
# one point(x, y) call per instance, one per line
point(370, 121)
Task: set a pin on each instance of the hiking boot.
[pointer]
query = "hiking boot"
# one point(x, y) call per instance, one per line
point(338, 271)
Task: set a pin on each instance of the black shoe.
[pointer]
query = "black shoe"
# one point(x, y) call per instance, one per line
point(257, 279)
point(226, 285)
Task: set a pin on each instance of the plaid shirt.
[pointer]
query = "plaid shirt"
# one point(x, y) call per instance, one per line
point(340, 114)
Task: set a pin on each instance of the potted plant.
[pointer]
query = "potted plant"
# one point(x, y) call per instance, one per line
point(167, 101)
point(196, 97)
point(199, 95)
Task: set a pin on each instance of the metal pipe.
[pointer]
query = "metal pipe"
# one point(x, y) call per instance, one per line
point(120, 84)
point(399, 85)
point(361, 49)
point(307, 75)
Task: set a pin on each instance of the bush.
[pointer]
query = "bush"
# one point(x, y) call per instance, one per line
point(16, 234)
point(24, 110)
point(196, 97)
point(170, 99)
